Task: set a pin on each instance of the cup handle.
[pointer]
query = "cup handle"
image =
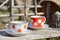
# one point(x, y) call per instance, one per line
point(44, 21)
point(7, 26)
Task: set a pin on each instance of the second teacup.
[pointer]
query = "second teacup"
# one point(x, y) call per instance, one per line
point(37, 21)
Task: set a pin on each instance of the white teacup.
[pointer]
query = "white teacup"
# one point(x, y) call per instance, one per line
point(17, 26)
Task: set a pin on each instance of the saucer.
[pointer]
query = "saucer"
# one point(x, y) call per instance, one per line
point(43, 26)
point(17, 34)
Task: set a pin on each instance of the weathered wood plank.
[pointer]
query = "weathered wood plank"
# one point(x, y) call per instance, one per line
point(4, 3)
point(22, 14)
point(35, 34)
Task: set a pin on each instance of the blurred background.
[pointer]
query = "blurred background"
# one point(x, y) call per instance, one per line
point(22, 9)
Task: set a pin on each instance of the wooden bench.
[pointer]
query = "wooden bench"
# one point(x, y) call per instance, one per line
point(35, 34)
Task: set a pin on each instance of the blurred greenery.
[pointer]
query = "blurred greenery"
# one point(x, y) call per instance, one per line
point(4, 20)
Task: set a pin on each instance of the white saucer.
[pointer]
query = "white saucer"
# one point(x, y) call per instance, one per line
point(44, 26)
point(17, 34)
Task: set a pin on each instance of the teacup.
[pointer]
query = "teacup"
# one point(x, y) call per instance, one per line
point(17, 26)
point(37, 21)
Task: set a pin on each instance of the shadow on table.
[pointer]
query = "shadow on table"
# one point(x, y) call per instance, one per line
point(3, 33)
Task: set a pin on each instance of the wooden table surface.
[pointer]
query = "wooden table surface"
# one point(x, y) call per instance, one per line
point(35, 34)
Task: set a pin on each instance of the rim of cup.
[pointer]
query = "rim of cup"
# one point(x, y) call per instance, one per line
point(22, 22)
point(36, 16)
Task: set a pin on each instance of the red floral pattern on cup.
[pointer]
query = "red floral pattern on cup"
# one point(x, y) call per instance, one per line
point(25, 26)
point(19, 30)
point(37, 22)
point(13, 26)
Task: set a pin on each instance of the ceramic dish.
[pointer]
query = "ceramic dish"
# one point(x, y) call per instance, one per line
point(44, 26)
point(17, 34)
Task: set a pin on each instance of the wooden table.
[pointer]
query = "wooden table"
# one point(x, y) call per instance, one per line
point(35, 34)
